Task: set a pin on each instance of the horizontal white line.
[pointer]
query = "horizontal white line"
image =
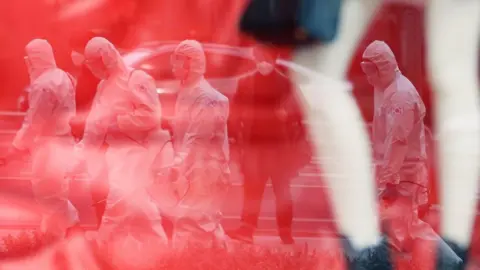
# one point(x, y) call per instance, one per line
point(303, 220)
point(235, 184)
point(26, 224)
point(11, 113)
point(8, 131)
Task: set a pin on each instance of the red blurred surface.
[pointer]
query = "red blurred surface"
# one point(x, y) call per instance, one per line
point(130, 23)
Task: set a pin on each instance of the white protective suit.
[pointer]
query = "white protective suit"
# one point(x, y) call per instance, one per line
point(398, 129)
point(46, 134)
point(126, 115)
point(201, 149)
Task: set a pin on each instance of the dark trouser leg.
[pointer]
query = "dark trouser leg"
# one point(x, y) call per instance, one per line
point(99, 189)
point(255, 175)
point(253, 189)
point(284, 204)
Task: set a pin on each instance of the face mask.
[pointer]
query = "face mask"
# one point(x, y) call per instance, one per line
point(180, 67)
point(372, 72)
point(265, 68)
point(97, 68)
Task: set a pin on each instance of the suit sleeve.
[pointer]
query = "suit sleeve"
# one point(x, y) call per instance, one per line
point(400, 122)
point(208, 122)
point(146, 113)
point(96, 125)
point(42, 102)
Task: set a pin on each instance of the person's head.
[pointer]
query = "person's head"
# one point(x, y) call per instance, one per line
point(102, 58)
point(188, 62)
point(39, 57)
point(379, 64)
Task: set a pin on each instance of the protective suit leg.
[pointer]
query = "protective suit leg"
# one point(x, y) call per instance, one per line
point(50, 186)
point(99, 188)
point(198, 213)
point(414, 184)
point(131, 226)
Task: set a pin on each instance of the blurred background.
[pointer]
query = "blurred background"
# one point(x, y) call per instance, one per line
point(143, 30)
point(132, 24)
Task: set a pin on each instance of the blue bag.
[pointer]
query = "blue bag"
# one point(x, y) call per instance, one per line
point(319, 18)
point(292, 22)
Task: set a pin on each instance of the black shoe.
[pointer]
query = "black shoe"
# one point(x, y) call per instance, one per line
point(447, 260)
point(242, 234)
point(375, 257)
point(286, 237)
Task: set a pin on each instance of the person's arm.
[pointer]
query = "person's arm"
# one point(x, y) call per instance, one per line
point(146, 113)
point(400, 122)
point(42, 101)
point(241, 106)
point(208, 120)
point(96, 125)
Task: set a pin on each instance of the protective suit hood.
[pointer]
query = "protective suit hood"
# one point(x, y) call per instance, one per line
point(39, 58)
point(380, 54)
point(193, 51)
point(103, 58)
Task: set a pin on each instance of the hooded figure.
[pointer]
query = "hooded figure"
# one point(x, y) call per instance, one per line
point(201, 165)
point(398, 129)
point(45, 133)
point(125, 115)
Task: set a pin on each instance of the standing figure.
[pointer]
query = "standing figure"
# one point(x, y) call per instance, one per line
point(85, 93)
point(46, 134)
point(398, 130)
point(126, 115)
point(201, 165)
point(273, 146)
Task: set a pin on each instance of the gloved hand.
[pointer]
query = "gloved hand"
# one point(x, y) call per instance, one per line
point(174, 174)
point(77, 126)
point(388, 193)
point(22, 103)
point(13, 154)
point(385, 175)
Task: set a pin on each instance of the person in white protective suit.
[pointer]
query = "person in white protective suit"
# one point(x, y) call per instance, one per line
point(398, 129)
point(46, 135)
point(201, 166)
point(126, 115)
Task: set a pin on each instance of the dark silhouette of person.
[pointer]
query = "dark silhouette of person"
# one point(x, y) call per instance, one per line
point(267, 122)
